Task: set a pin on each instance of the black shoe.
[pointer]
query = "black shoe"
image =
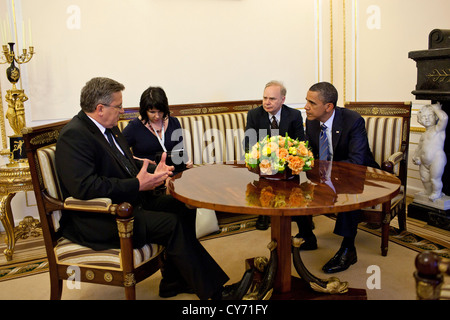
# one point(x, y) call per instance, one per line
point(309, 244)
point(237, 290)
point(229, 292)
point(263, 222)
point(341, 261)
point(171, 289)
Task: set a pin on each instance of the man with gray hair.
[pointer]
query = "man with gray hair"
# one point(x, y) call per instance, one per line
point(93, 160)
point(272, 118)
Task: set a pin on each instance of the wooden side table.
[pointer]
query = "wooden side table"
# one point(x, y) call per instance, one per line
point(15, 177)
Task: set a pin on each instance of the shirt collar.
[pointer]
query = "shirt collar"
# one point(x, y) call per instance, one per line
point(277, 115)
point(99, 126)
point(329, 122)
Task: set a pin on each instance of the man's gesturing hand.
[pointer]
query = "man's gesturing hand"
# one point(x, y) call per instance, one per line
point(149, 181)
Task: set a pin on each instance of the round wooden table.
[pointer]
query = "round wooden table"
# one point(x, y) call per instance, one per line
point(330, 187)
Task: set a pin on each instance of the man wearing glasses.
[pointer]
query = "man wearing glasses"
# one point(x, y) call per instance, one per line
point(93, 160)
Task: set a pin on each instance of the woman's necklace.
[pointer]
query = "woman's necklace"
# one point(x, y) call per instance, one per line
point(159, 133)
point(157, 129)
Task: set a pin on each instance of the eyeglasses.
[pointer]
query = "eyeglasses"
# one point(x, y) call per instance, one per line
point(117, 107)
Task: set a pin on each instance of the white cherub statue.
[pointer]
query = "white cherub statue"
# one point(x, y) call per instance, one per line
point(430, 155)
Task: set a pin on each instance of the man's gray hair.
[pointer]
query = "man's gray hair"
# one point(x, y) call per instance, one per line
point(279, 84)
point(98, 91)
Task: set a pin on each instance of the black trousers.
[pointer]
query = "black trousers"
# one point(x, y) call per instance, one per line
point(346, 224)
point(167, 221)
point(162, 220)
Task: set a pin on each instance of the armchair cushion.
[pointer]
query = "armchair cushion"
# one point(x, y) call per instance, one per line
point(385, 140)
point(70, 253)
point(384, 135)
point(46, 157)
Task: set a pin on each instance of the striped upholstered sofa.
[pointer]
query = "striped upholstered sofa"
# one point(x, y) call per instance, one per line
point(213, 132)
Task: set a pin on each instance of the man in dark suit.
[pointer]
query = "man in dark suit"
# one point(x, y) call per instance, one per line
point(89, 166)
point(272, 118)
point(344, 138)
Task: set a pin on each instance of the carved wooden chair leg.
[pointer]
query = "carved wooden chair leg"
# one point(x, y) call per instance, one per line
point(401, 217)
point(130, 293)
point(56, 286)
point(125, 222)
point(385, 228)
point(332, 285)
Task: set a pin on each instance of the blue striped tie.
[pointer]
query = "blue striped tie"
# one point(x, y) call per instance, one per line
point(324, 152)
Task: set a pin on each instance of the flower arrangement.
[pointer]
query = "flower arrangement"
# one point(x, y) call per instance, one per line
point(273, 155)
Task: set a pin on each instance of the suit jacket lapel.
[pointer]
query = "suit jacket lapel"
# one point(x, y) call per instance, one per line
point(265, 123)
point(337, 127)
point(313, 135)
point(124, 145)
point(98, 134)
point(101, 137)
point(316, 134)
point(284, 120)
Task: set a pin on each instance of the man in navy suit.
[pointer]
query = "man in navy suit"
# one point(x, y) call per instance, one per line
point(347, 141)
point(272, 118)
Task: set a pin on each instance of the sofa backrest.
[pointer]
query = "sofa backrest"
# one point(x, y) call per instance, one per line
point(387, 125)
point(213, 132)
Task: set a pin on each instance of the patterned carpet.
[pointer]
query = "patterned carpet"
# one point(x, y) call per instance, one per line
point(418, 243)
point(29, 258)
point(419, 237)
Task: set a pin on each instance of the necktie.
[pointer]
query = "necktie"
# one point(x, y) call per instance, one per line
point(274, 123)
point(122, 158)
point(324, 152)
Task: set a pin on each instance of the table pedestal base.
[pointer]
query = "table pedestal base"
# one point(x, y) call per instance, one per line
point(306, 287)
point(300, 290)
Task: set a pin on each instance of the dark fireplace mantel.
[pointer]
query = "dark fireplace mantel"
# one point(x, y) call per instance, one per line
point(433, 78)
point(433, 66)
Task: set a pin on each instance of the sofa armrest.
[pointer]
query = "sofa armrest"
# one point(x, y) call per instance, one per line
point(392, 161)
point(100, 205)
point(72, 203)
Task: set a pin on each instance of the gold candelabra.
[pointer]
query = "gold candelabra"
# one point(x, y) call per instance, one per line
point(15, 98)
point(9, 55)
